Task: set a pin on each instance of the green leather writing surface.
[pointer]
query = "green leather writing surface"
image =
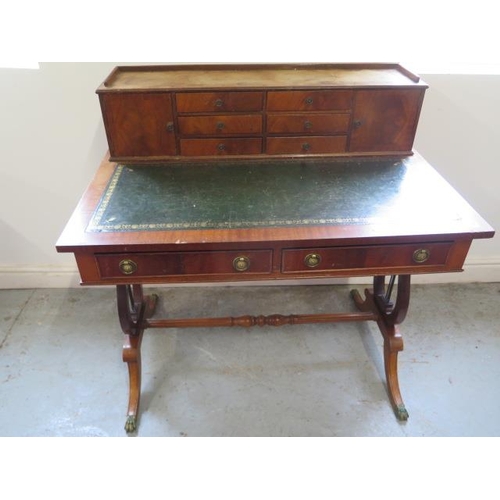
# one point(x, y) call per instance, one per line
point(247, 194)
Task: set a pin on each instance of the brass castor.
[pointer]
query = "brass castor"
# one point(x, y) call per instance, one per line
point(401, 412)
point(131, 424)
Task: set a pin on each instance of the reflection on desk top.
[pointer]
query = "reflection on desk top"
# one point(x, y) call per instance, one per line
point(232, 195)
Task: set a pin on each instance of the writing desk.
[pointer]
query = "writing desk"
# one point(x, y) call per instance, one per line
point(230, 173)
point(268, 220)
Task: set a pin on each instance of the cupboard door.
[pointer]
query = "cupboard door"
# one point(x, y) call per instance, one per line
point(385, 120)
point(139, 124)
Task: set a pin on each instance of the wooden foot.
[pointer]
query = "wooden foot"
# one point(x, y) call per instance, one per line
point(133, 310)
point(363, 305)
point(389, 316)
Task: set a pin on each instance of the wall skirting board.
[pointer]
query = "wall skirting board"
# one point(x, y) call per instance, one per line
point(11, 277)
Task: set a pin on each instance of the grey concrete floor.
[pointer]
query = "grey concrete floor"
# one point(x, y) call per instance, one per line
point(61, 372)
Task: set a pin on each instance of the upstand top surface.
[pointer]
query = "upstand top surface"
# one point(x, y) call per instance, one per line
point(249, 76)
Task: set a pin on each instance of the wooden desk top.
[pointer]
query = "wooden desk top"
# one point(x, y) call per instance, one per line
point(174, 205)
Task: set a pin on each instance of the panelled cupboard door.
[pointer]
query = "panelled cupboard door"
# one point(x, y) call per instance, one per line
point(385, 120)
point(139, 124)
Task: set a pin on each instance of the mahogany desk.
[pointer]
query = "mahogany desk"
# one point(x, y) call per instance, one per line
point(227, 173)
point(268, 219)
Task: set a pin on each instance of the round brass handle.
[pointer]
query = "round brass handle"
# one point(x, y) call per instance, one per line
point(221, 147)
point(220, 126)
point(421, 255)
point(312, 260)
point(306, 146)
point(170, 127)
point(127, 266)
point(309, 100)
point(219, 103)
point(308, 125)
point(241, 264)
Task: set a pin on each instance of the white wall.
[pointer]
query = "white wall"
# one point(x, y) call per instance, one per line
point(52, 140)
point(459, 133)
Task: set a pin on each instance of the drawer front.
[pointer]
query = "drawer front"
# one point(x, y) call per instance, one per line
point(235, 263)
point(221, 125)
point(310, 100)
point(222, 147)
point(364, 257)
point(306, 145)
point(313, 124)
point(213, 102)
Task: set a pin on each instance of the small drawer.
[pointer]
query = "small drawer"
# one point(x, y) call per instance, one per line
point(223, 125)
point(313, 124)
point(213, 102)
point(306, 145)
point(137, 265)
point(365, 257)
point(222, 146)
point(310, 100)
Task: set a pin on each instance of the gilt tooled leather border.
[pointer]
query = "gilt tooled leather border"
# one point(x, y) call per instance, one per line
point(96, 223)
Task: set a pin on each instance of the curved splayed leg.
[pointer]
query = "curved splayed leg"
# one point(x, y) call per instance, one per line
point(390, 315)
point(393, 343)
point(133, 309)
point(132, 356)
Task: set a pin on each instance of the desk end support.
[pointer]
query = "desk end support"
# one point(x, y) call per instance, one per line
point(389, 316)
point(133, 309)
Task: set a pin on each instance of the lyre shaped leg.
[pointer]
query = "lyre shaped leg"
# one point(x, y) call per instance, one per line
point(389, 316)
point(133, 308)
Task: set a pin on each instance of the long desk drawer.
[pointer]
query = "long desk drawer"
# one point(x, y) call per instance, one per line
point(364, 257)
point(184, 263)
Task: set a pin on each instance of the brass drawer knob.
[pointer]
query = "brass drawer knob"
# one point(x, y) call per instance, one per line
point(306, 146)
point(220, 125)
point(221, 147)
point(219, 103)
point(309, 100)
point(421, 255)
point(308, 125)
point(312, 260)
point(241, 264)
point(170, 126)
point(127, 266)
